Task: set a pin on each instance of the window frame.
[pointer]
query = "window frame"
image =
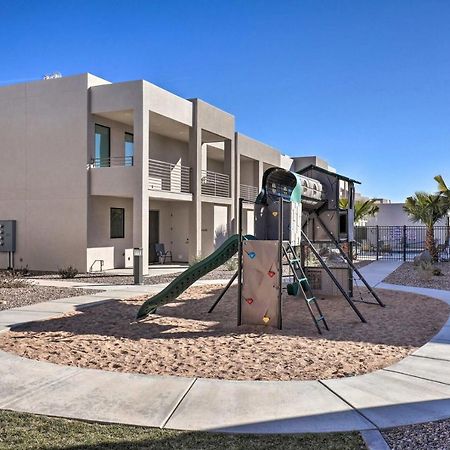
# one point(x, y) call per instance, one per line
point(95, 145)
point(131, 162)
point(122, 236)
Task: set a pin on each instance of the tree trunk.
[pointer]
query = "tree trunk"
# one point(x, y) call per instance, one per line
point(430, 244)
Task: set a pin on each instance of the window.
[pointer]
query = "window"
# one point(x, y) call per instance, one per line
point(129, 149)
point(102, 146)
point(117, 223)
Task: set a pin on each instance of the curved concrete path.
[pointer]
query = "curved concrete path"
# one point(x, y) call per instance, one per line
point(417, 389)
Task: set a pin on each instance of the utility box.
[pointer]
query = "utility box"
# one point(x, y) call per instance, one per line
point(7, 235)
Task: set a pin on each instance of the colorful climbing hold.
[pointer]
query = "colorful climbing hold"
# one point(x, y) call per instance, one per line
point(249, 300)
point(271, 273)
point(274, 213)
point(266, 319)
point(251, 255)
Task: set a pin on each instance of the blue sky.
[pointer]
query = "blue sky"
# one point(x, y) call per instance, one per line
point(365, 85)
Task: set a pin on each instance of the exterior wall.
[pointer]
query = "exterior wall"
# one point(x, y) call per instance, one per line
point(174, 227)
point(100, 245)
point(393, 214)
point(43, 126)
point(169, 150)
point(215, 226)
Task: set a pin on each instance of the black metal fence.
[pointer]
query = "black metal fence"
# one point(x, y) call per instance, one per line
point(401, 243)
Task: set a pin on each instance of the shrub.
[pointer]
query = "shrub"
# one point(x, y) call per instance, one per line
point(68, 272)
point(195, 260)
point(11, 280)
point(427, 270)
point(437, 272)
point(231, 264)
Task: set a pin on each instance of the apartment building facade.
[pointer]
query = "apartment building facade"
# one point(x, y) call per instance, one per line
point(92, 169)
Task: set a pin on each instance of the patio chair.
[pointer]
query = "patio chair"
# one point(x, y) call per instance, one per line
point(162, 254)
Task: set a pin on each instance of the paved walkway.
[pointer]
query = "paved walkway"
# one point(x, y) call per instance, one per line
point(417, 389)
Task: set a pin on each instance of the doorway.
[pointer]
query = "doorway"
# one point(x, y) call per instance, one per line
point(153, 234)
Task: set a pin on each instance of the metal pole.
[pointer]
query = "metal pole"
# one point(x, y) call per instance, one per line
point(137, 266)
point(239, 317)
point(378, 241)
point(280, 259)
point(223, 292)
point(404, 242)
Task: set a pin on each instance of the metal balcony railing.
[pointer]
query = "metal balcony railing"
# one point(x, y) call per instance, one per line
point(248, 193)
point(112, 161)
point(215, 184)
point(168, 177)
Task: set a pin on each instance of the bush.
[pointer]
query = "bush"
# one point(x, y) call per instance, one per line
point(195, 260)
point(427, 270)
point(437, 272)
point(68, 272)
point(231, 264)
point(11, 280)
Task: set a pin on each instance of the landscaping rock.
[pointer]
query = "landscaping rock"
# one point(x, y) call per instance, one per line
point(424, 257)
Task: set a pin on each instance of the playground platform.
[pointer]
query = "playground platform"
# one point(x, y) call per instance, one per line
point(416, 389)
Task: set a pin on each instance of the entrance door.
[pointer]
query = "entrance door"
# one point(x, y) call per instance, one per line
point(153, 235)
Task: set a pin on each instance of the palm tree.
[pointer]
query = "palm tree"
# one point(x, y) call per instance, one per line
point(427, 208)
point(362, 208)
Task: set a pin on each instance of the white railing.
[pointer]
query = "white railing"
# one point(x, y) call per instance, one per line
point(215, 184)
point(168, 177)
point(248, 193)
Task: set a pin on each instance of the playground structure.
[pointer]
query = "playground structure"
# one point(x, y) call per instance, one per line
point(297, 219)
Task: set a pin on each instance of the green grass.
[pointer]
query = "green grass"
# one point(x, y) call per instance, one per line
point(20, 431)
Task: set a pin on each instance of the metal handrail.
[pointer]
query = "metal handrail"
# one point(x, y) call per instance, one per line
point(168, 177)
point(120, 161)
point(215, 184)
point(248, 192)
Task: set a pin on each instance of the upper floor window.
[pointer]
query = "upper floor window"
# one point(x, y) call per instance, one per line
point(102, 146)
point(129, 149)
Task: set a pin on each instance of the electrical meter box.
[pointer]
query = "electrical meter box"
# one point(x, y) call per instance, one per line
point(7, 235)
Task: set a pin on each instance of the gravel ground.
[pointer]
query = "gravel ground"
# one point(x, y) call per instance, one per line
point(407, 275)
point(217, 274)
point(22, 296)
point(426, 436)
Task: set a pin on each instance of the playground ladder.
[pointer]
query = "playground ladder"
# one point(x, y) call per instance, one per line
point(304, 288)
point(350, 264)
point(333, 278)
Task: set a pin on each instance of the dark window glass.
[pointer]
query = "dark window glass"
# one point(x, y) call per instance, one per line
point(102, 146)
point(117, 221)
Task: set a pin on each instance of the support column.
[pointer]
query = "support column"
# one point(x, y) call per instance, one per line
point(195, 161)
point(259, 171)
point(141, 199)
point(230, 169)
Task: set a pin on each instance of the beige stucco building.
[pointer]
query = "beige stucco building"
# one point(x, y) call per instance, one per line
point(91, 169)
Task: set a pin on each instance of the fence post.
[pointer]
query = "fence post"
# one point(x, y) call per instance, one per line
point(378, 241)
point(404, 242)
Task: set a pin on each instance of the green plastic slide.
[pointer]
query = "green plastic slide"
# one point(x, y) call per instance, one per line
point(191, 275)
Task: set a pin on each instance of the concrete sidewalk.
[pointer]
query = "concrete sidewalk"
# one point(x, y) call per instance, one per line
point(417, 389)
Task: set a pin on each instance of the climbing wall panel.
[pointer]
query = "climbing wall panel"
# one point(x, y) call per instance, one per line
point(260, 302)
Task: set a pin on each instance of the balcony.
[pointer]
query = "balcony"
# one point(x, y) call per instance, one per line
point(248, 193)
point(168, 177)
point(215, 184)
point(112, 161)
